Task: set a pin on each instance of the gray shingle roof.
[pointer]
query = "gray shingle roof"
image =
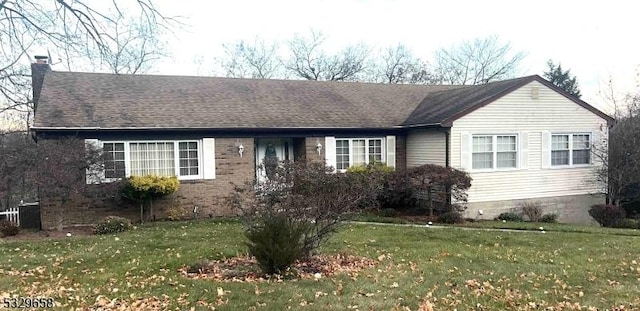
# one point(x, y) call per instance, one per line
point(71, 99)
point(109, 101)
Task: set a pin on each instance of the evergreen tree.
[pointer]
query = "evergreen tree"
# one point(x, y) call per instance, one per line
point(562, 79)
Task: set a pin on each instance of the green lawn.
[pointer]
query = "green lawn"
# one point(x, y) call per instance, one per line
point(450, 267)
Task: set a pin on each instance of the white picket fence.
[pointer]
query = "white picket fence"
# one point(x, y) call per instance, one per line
point(11, 214)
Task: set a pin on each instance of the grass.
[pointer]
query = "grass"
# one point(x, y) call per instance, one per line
point(449, 267)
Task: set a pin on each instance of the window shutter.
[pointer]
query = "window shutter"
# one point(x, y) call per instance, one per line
point(208, 158)
point(465, 151)
point(95, 172)
point(524, 150)
point(546, 149)
point(391, 151)
point(330, 151)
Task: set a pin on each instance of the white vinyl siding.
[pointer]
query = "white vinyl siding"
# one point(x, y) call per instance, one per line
point(426, 147)
point(534, 121)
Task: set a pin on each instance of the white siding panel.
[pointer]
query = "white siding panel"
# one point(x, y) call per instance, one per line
point(516, 113)
point(426, 147)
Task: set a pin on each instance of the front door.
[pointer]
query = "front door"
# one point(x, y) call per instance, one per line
point(273, 150)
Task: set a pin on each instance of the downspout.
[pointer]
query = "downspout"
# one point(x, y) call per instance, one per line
point(447, 157)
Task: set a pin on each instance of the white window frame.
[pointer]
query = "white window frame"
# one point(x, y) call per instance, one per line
point(176, 158)
point(571, 149)
point(383, 151)
point(494, 151)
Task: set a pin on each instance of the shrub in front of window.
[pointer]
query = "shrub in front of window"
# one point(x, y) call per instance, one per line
point(143, 189)
point(309, 197)
point(510, 216)
point(607, 215)
point(549, 218)
point(112, 224)
point(9, 228)
point(531, 210)
point(437, 183)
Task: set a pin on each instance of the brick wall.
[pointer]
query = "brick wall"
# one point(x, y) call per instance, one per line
point(311, 144)
point(208, 195)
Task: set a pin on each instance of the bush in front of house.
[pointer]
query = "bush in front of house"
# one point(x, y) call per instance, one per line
point(277, 243)
point(607, 215)
point(627, 223)
point(9, 228)
point(549, 218)
point(112, 224)
point(451, 217)
point(531, 209)
point(298, 197)
point(510, 216)
point(143, 189)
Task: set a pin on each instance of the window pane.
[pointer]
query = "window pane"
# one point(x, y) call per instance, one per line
point(506, 160)
point(188, 154)
point(482, 144)
point(114, 160)
point(342, 154)
point(559, 157)
point(560, 142)
point(581, 156)
point(359, 156)
point(482, 160)
point(506, 143)
point(154, 158)
point(375, 150)
point(581, 141)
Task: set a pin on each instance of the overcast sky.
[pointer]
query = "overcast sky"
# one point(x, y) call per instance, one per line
point(595, 39)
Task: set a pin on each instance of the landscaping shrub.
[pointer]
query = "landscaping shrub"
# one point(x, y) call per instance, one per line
point(532, 210)
point(9, 228)
point(397, 193)
point(607, 215)
point(510, 216)
point(440, 185)
point(627, 223)
point(388, 212)
point(549, 218)
point(632, 209)
point(277, 243)
point(177, 212)
point(451, 217)
point(143, 189)
point(309, 197)
point(112, 224)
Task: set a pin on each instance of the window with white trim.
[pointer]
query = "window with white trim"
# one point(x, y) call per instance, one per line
point(358, 151)
point(491, 152)
point(163, 158)
point(570, 149)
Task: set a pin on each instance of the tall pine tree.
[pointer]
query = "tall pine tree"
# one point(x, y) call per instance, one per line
point(562, 79)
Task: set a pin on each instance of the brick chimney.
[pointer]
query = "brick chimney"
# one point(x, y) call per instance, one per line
point(38, 71)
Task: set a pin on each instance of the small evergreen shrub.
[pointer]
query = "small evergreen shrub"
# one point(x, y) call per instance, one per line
point(451, 217)
point(510, 216)
point(627, 223)
point(549, 218)
point(277, 243)
point(112, 224)
point(607, 215)
point(9, 228)
point(532, 210)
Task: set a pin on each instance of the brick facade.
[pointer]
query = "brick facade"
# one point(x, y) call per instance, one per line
point(208, 195)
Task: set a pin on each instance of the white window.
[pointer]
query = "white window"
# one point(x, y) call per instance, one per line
point(358, 151)
point(494, 152)
point(570, 149)
point(163, 158)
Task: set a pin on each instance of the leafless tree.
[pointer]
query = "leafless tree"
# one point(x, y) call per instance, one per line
point(308, 60)
point(259, 59)
point(69, 28)
point(477, 61)
point(619, 176)
point(397, 65)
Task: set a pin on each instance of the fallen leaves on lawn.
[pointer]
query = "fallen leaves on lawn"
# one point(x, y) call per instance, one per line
point(245, 268)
